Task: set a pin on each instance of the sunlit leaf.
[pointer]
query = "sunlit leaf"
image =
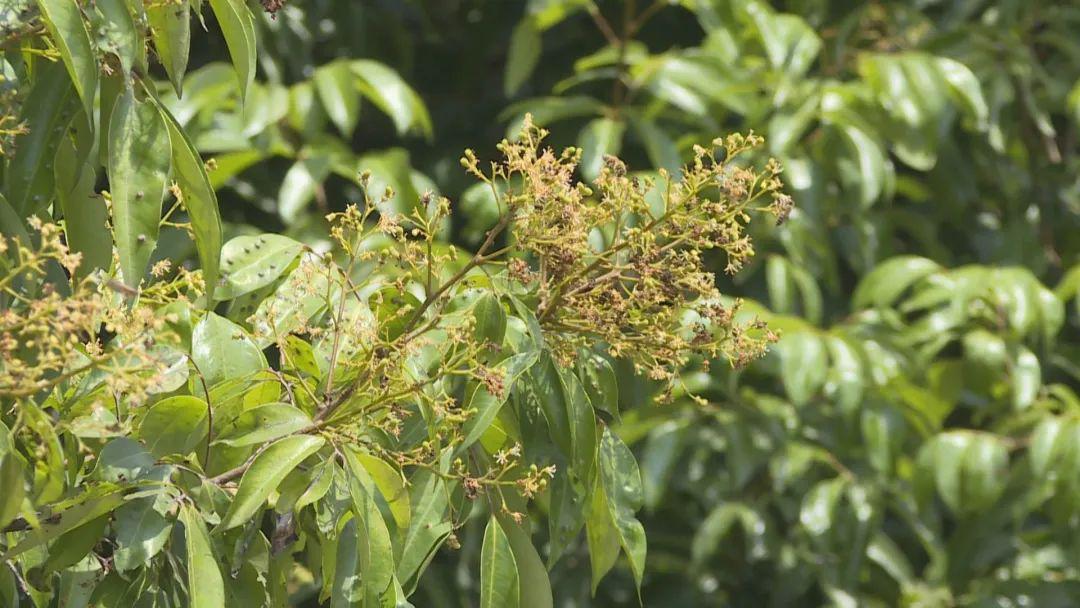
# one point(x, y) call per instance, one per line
point(498, 570)
point(170, 29)
point(265, 473)
point(238, 26)
point(67, 28)
point(139, 164)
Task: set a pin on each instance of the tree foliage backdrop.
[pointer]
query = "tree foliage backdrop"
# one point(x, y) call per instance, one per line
point(247, 392)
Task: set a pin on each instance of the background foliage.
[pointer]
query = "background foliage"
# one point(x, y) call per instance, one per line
point(912, 440)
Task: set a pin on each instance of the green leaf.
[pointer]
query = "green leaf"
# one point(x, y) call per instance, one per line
point(1026, 378)
point(547, 111)
point(175, 425)
point(882, 430)
point(803, 364)
point(787, 128)
point(141, 533)
point(490, 319)
point(534, 586)
point(942, 458)
point(819, 505)
point(601, 534)
point(386, 89)
point(1072, 102)
point(968, 469)
point(170, 29)
point(546, 383)
point(391, 485)
point(47, 109)
point(68, 30)
point(965, 89)
point(123, 460)
point(14, 483)
point(336, 85)
point(376, 561)
point(321, 480)
point(116, 34)
point(264, 423)
point(662, 150)
point(265, 473)
point(93, 506)
point(498, 570)
point(346, 581)
point(86, 217)
point(568, 501)
point(690, 85)
point(779, 281)
point(77, 584)
point(12, 225)
point(888, 280)
point(599, 138)
point(790, 43)
point(238, 26)
point(221, 350)
point(199, 201)
point(300, 355)
point(48, 470)
point(251, 262)
point(662, 450)
point(621, 482)
point(600, 383)
point(570, 490)
point(300, 185)
point(985, 463)
point(870, 161)
point(549, 13)
point(139, 161)
point(1046, 445)
point(428, 527)
point(713, 529)
point(206, 588)
point(523, 55)
point(72, 546)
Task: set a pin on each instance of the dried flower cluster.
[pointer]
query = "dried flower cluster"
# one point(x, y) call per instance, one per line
point(52, 333)
point(620, 262)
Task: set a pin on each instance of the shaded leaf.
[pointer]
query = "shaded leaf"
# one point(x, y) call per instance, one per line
point(47, 109)
point(86, 217)
point(534, 586)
